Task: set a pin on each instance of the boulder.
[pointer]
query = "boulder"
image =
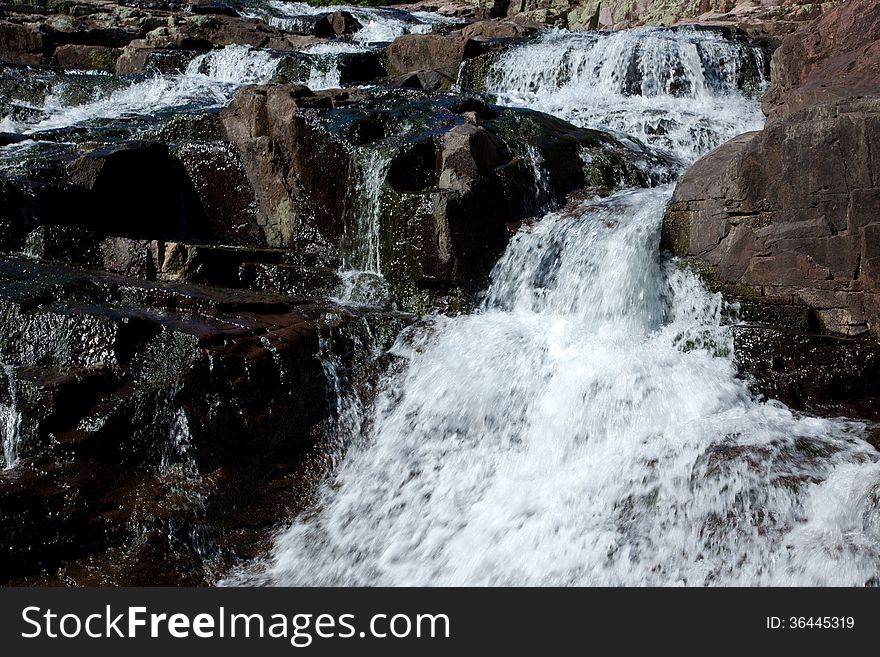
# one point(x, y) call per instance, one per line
point(24, 44)
point(338, 23)
point(425, 52)
point(500, 29)
point(455, 173)
point(86, 58)
point(769, 212)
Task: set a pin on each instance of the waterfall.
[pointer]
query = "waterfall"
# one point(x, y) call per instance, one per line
point(587, 425)
point(179, 473)
point(535, 160)
point(235, 64)
point(635, 82)
point(361, 270)
point(10, 421)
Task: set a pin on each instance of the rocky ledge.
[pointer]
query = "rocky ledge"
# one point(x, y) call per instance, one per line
point(786, 219)
point(164, 426)
point(764, 17)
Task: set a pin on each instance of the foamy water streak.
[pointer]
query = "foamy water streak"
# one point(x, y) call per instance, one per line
point(635, 81)
point(361, 269)
point(210, 80)
point(10, 421)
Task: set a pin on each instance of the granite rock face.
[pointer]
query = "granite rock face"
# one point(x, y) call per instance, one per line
point(837, 57)
point(792, 212)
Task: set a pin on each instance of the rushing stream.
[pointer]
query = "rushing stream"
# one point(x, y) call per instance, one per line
point(587, 425)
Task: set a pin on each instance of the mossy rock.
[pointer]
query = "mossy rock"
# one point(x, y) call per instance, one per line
point(188, 128)
point(83, 89)
point(103, 59)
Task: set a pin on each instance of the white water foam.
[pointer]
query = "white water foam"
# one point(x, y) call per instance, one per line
point(588, 427)
point(634, 82)
point(10, 422)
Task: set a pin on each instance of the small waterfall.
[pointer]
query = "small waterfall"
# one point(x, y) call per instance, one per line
point(544, 196)
point(235, 64)
point(347, 411)
point(361, 269)
point(634, 82)
point(324, 74)
point(10, 421)
point(183, 483)
point(211, 80)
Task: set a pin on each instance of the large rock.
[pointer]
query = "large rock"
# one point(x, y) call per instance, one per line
point(87, 57)
point(338, 23)
point(792, 212)
point(425, 52)
point(500, 29)
point(837, 57)
point(454, 174)
point(164, 427)
point(24, 44)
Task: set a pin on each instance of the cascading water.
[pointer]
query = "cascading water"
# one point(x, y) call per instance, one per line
point(210, 81)
point(361, 270)
point(10, 422)
point(635, 82)
point(179, 474)
point(587, 425)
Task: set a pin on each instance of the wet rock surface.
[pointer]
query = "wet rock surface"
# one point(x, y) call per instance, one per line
point(158, 412)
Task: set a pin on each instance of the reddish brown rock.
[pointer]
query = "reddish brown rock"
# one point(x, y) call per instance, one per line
point(24, 44)
point(87, 58)
point(836, 57)
point(338, 23)
point(425, 52)
point(793, 212)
